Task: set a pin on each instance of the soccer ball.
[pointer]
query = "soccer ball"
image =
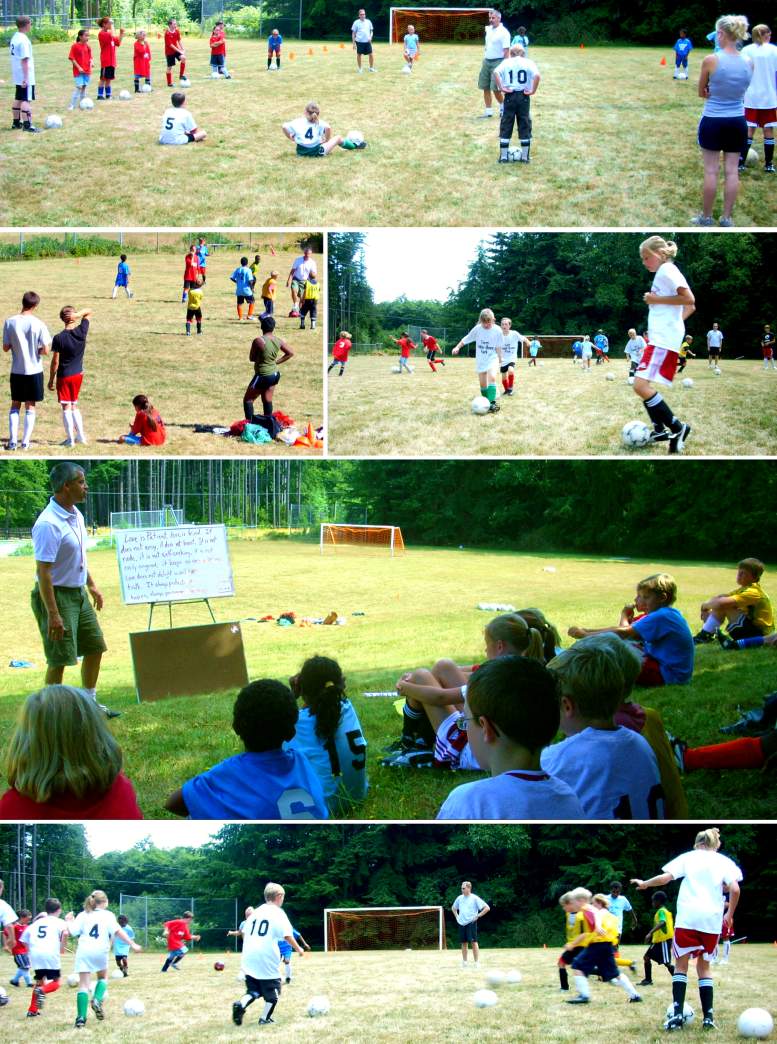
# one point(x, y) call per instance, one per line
point(717, 371)
point(755, 1022)
point(134, 1006)
point(515, 155)
point(688, 1013)
point(610, 377)
point(630, 380)
point(513, 977)
point(3, 996)
point(125, 96)
point(145, 88)
point(117, 973)
point(635, 434)
point(396, 369)
point(218, 965)
point(485, 999)
point(53, 122)
point(86, 104)
point(318, 1006)
point(480, 405)
point(72, 979)
point(496, 978)
point(681, 76)
point(214, 76)
point(186, 82)
point(355, 136)
point(752, 158)
point(688, 382)
point(406, 69)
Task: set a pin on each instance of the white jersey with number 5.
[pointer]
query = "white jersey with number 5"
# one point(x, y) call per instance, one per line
point(261, 934)
point(95, 930)
point(176, 126)
point(517, 74)
point(487, 343)
point(307, 133)
point(43, 940)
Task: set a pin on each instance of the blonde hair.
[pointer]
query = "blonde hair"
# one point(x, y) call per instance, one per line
point(590, 677)
point(709, 838)
point(665, 248)
point(660, 583)
point(272, 891)
point(551, 639)
point(513, 630)
point(95, 899)
point(601, 900)
point(752, 565)
point(734, 26)
point(506, 319)
point(627, 657)
point(760, 32)
point(343, 333)
point(579, 895)
point(516, 49)
point(564, 900)
point(487, 314)
point(61, 744)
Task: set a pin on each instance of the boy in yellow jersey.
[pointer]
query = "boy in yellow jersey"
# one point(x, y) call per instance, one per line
point(255, 266)
point(309, 303)
point(659, 939)
point(269, 286)
point(598, 942)
point(685, 351)
point(746, 611)
point(194, 307)
point(574, 925)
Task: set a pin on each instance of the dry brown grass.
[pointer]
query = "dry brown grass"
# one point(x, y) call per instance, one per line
point(556, 410)
point(141, 346)
point(615, 144)
point(393, 996)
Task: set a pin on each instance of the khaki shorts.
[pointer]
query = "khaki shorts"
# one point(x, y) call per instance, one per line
point(82, 631)
point(486, 81)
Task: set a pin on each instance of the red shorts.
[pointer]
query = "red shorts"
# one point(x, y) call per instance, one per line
point(658, 365)
point(768, 353)
point(650, 675)
point(761, 117)
point(69, 387)
point(696, 944)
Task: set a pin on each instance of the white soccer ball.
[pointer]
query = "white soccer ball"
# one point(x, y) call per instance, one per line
point(635, 434)
point(53, 122)
point(610, 377)
point(751, 160)
point(755, 1023)
point(72, 979)
point(117, 973)
point(396, 369)
point(515, 155)
point(485, 999)
point(214, 76)
point(513, 977)
point(145, 88)
point(86, 104)
point(480, 405)
point(406, 69)
point(717, 371)
point(125, 96)
point(318, 1006)
point(355, 136)
point(186, 82)
point(688, 382)
point(134, 1006)
point(688, 1013)
point(3, 995)
point(496, 978)
point(681, 76)
point(630, 380)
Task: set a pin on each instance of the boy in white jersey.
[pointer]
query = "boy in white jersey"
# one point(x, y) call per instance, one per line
point(178, 125)
point(262, 932)
point(518, 78)
point(761, 95)
point(27, 339)
point(635, 346)
point(313, 137)
point(23, 76)
point(489, 342)
point(669, 302)
point(512, 342)
point(45, 939)
point(468, 908)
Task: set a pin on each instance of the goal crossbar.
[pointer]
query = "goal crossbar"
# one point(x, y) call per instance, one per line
point(380, 913)
point(426, 19)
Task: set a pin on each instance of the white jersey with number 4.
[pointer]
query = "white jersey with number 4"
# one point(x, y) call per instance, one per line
point(43, 940)
point(307, 133)
point(261, 934)
point(512, 342)
point(21, 48)
point(176, 126)
point(517, 74)
point(95, 930)
point(487, 343)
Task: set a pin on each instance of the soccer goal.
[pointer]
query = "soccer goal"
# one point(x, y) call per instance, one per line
point(334, 535)
point(384, 928)
point(439, 24)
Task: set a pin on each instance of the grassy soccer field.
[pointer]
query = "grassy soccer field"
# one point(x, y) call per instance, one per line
point(557, 410)
point(418, 607)
point(390, 996)
point(614, 144)
point(140, 346)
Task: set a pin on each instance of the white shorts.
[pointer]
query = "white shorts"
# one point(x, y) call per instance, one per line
point(488, 365)
point(586, 353)
point(451, 746)
point(658, 365)
point(91, 962)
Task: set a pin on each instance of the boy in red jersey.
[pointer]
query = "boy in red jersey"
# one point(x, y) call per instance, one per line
point(218, 52)
point(174, 52)
point(81, 58)
point(142, 56)
point(148, 428)
point(342, 347)
point(431, 346)
point(191, 269)
point(178, 933)
point(108, 42)
point(19, 950)
point(405, 348)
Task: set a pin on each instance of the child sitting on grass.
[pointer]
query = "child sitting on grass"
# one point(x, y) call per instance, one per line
point(148, 428)
point(612, 770)
point(746, 611)
point(665, 636)
point(179, 127)
point(63, 762)
point(265, 781)
point(511, 712)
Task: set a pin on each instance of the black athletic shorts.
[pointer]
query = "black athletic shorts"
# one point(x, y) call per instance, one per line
point(193, 313)
point(25, 93)
point(744, 628)
point(260, 382)
point(268, 989)
point(468, 932)
point(108, 72)
point(245, 299)
point(363, 48)
point(52, 974)
point(27, 387)
point(172, 59)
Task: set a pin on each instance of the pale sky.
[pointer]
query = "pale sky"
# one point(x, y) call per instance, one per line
point(423, 264)
point(118, 836)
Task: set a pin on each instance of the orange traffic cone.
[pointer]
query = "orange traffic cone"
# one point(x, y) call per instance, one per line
point(310, 435)
point(663, 61)
point(292, 56)
point(310, 50)
point(582, 47)
point(342, 45)
point(325, 49)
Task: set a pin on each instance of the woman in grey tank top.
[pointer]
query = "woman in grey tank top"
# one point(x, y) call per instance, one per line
point(724, 78)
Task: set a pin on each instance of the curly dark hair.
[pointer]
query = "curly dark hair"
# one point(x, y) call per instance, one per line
point(321, 685)
point(265, 715)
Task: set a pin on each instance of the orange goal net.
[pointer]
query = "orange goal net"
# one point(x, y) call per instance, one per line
point(336, 535)
point(439, 24)
point(384, 928)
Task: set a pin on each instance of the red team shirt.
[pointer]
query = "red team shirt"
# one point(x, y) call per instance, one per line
point(140, 426)
point(118, 802)
point(341, 349)
point(191, 267)
point(173, 41)
point(19, 947)
point(406, 346)
point(108, 44)
point(218, 42)
point(142, 53)
point(430, 344)
point(81, 53)
point(177, 934)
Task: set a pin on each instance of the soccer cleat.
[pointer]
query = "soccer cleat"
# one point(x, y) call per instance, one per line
point(40, 997)
point(108, 713)
point(11, 447)
point(633, 967)
point(770, 169)
point(708, 1023)
point(679, 438)
point(578, 1000)
point(97, 1008)
point(360, 144)
point(674, 1022)
point(645, 982)
point(16, 125)
point(702, 222)
point(80, 1022)
point(288, 980)
point(237, 1013)
point(30, 129)
point(267, 1022)
point(729, 644)
point(70, 108)
point(417, 759)
point(679, 748)
point(69, 443)
point(657, 436)
point(33, 1014)
point(13, 982)
point(726, 222)
point(636, 999)
point(703, 638)
point(755, 722)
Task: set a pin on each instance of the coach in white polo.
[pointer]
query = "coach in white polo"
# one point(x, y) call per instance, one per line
point(468, 908)
point(27, 339)
point(714, 343)
point(497, 49)
point(61, 597)
point(361, 35)
point(302, 268)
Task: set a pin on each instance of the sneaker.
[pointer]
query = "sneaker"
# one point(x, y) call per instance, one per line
point(266, 1022)
point(578, 1000)
point(30, 129)
point(97, 1008)
point(679, 748)
point(673, 1022)
point(708, 1023)
point(69, 443)
point(360, 144)
point(40, 997)
point(372, 69)
point(702, 222)
point(726, 222)
point(645, 982)
point(636, 999)
point(237, 1013)
point(13, 982)
point(770, 169)
point(16, 125)
point(360, 71)
point(108, 713)
point(81, 439)
point(726, 643)
point(703, 638)
point(494, 407)
point(11, 447)
point(70, 108)
point(657, 436)
point(678, 439)
point(416, 759)
point(80, 1022)
point(755, 721)
point(33, 1014)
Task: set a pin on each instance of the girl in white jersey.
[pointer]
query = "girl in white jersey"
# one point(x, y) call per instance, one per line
point(669, 302)
point(512, 341)
point(700, 903)
point(95, 928)
point(489, 342)
point(761, 95)
point(313, 137)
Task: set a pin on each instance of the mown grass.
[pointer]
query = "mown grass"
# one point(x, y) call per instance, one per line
point(556, 410)
point(388, 996)
point(614, 144)
point(140, 346)
point(419, 606)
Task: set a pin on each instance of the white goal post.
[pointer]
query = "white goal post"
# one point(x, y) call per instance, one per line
point(425, 17)
point(380, 916)
point(335, 534)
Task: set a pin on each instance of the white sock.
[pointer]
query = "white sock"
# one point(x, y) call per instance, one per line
point(67, 420)
point(625, 984)
point(91, 693)
point(29, 424)
point(13, 425)
point(127, 291)
point(267, 1009)
point(245, 1000)
point(711, 624)
point(78, 422)
point(76, 97)
point(488, 111)
point(115, 291)
point(582, 986)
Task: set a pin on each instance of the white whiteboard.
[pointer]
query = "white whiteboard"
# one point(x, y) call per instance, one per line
point(173, 564)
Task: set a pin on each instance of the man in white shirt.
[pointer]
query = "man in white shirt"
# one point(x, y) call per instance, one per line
point(468, 908)
point(497, 49)
point(27, 339)
point(714, 345)
point(302, 268)
point(23, 76)
point(361, 35)
point(61, 597)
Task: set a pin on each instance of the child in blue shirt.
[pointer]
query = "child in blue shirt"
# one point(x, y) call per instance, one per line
point(264, 782)
point(121, 948)
point(274, 43)
point(286, 951)
point(122, 277)
point(682, 49)
point(243, 278)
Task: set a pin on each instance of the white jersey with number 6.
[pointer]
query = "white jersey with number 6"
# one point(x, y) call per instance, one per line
point(43, 940)
point(176, 126)
point(307, 133)
point(261, 934)
point(488, 342)
point(95, 930)
point(517, 74)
